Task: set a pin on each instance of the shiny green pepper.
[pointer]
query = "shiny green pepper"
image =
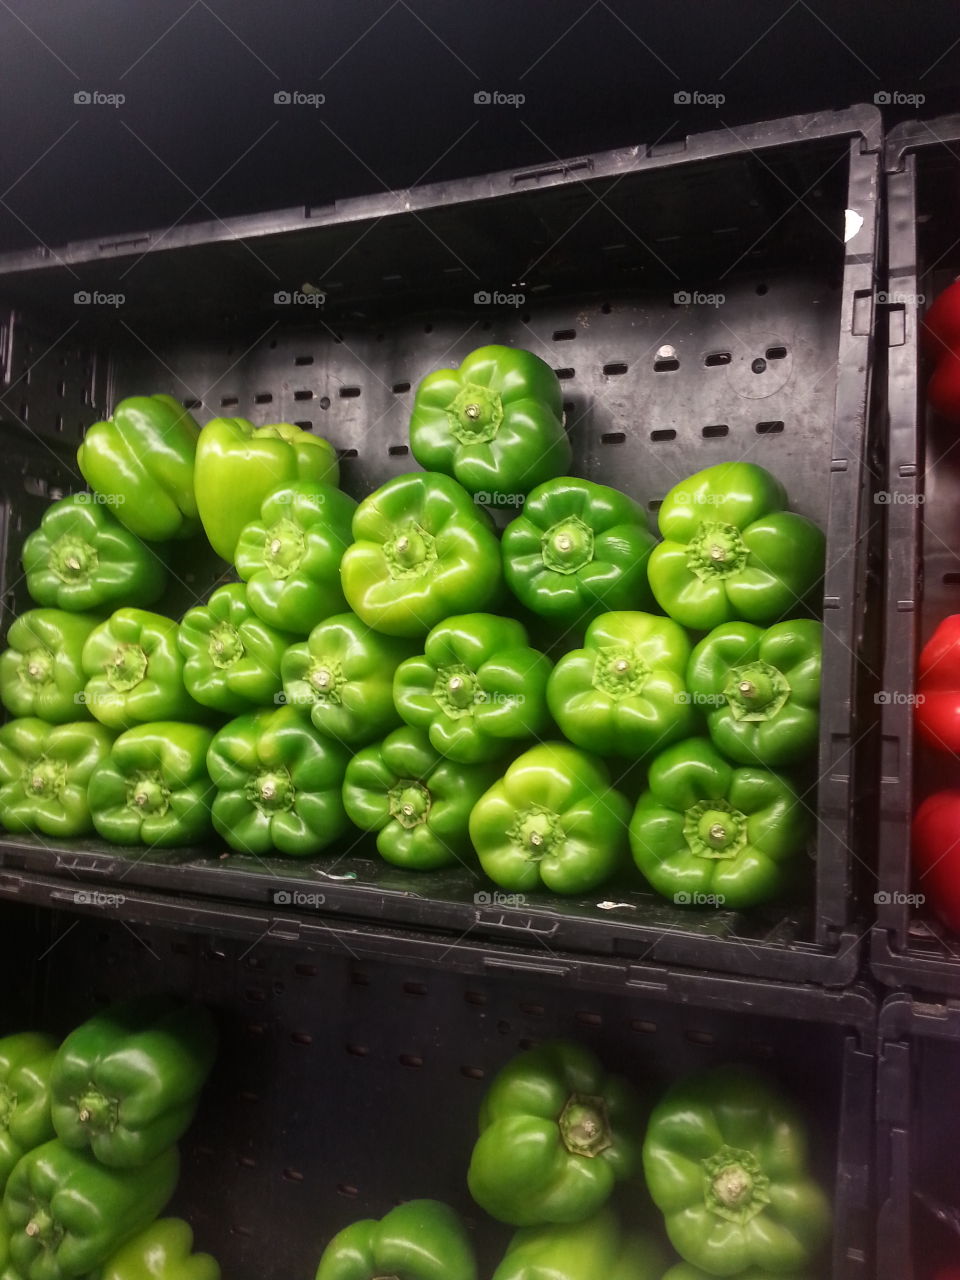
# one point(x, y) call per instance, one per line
point(477, 689)
point(342, 675)
point(597, 1247)
point(26, 1060)
point(44, 772)
point(419, 1240)
point(231, 656)
point(135, 672)
point(290, 556)
point(495, 424)
point(81, 557)
point(418, 803)
point(557, 1134)
point(162, 1251)
point(41, 672)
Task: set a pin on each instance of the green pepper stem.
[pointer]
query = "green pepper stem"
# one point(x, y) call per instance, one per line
point(585, 1126)
point(97, 1111)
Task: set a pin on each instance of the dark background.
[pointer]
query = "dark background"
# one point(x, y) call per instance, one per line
point(200, 135)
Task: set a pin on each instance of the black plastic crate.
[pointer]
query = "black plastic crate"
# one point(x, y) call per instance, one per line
point(918, 1178)
point(621, 258)
point(909, 948)
point(347, 1082)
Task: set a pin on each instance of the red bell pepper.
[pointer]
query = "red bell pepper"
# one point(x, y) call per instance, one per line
point(936, 855)
point(938, 687)
point(941, 340)
point(949, 1273)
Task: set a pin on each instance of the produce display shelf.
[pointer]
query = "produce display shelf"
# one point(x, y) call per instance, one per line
point(702, 299)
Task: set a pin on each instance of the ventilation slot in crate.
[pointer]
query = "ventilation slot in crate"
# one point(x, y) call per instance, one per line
point(615, 369)
point(227, 402)
point(769, 428)
point(613, 437)
point(666, 364)
point(304, 394)
point(664, 433)
point(776, 353)
point(565, 374)
point(398, 450)
point(715, 430)
point(400, 387)
point(564, 335)
point(349, 393)
point(717, 357)
point(263, 397)
point(303, 360)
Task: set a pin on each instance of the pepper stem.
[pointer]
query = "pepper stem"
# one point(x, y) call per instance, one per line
point(735, 1186)
point(97, 1111)
point(585, 1126)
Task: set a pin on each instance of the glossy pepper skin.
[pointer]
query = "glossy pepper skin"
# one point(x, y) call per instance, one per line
point(557, 1134)
point(419, 1240)
point(142, 459)
point(342, 677)
point(725, 1159)
point(418, 803)
point(760, 690)
point(125, 1084)
point(290, 556)
point(26, 1060)
point(422, 550)
point(708, 833)
point(68, 1212)
point(44, 772)
point(153, 787)
point(731, 549)
point(231, 657)
point(477, 688)
point(239, 464)
point(279, 784)
point(553, 820)
point(162, 1251)
point(135, 671)
point(624, 693)
point(935, 852)
point(941, 340)
point(81, 557)
point(685, 1271)
point(937, 709)
point(41, 672)
point(579, 549)
point(585, 1250)
point(495, 424)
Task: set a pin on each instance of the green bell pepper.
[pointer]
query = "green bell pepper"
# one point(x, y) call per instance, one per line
point(41, 673)
point(126, 1083)
point(419, 1240)
point(68, 1213)
point(25, 1064)
point(556, 1136)
point(760, 690)
point(135, 671)
point(342, 675)
point(708, 833)
point(153, 787)
point(279, 784)
point(81, 557)
point(731, 549)
point(598, 1247)
point(422, 550)
point(624, 693)
point(552, 820)
point(684, 1271)
point(290, 556)
point(477, 689)
point(44, 771)
point(579, 549)
point(495, 424)
point(418, 802)
point(239, 464)
point(231, 656)
point(163, 1251)
point(725, 1158)
point(141, 459)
